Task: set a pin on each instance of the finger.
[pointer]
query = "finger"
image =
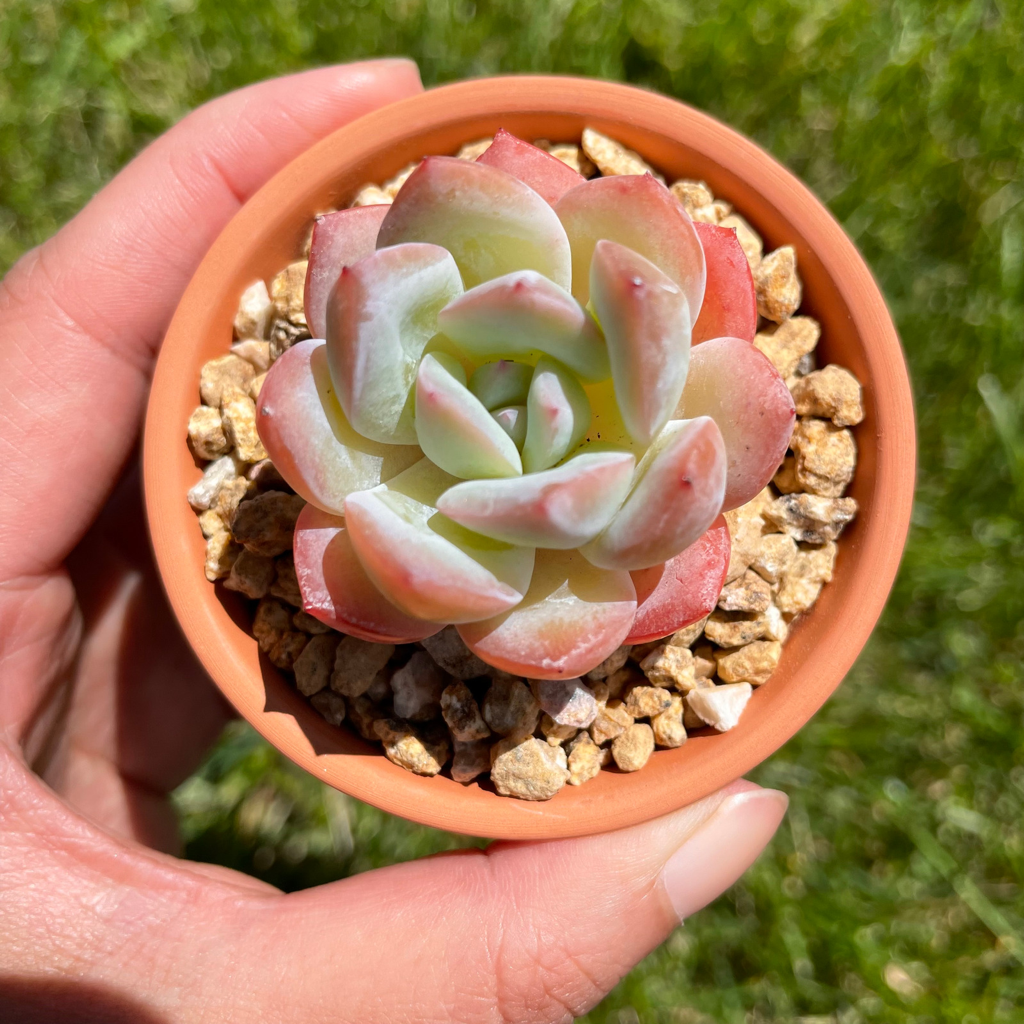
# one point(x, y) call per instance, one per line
point(534, 933)
point(81, 317)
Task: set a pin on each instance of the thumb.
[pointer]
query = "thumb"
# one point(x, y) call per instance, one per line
point(536, 932)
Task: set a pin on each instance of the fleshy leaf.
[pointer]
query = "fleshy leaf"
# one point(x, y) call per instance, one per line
point(646, 324)
point(557, 416)
point(454, 429)
point(381, 316)
point(311, 443)
point(544, 173)
point(501, 383)
point(427, 565)
point(640, 213)
point(682, 590)
point(512, 419)
point(737, 386)
point(730, 302)
point(339, 240)
point(488, 220)
point(557, 508)
point(524, 314)
point(336, 590)
point(676, 495)
point(572, 618)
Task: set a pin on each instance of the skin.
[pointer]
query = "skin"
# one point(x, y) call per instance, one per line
point(103, 709)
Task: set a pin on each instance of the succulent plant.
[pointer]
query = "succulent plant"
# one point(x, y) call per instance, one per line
point(510, 425)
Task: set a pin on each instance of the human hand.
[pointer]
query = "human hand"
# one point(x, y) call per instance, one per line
point(103, 710)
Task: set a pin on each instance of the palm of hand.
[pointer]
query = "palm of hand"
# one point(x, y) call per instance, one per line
point(100, 695)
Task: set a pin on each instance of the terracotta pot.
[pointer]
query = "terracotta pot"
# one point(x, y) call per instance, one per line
point(838, 290)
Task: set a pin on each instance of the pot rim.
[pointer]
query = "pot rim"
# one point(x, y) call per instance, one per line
point(840, 291)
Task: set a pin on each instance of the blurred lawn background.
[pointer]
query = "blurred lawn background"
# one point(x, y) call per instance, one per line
point(893, 891)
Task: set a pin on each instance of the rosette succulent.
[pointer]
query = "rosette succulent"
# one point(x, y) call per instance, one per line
point(534, 397)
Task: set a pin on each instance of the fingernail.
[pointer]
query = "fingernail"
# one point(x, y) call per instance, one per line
point(722, 848)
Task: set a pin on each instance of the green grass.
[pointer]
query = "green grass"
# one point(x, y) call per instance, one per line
point(893, 892)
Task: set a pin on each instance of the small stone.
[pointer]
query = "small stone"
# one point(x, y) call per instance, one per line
point(271, 621)
point(313, 666)
point(668, 727)
point(610, 665)
point(286, 584)
point(645, 701)
point(230, 496)
point(567, 701)
point(255, 352)
point(221, 552)
point(265, 477)
point(330, 706)
point(286, 292)
point(833, 393)
point(570, 155)
point(471, 150)
point(777, 284)
point(612, 157)
point(363, 713)
point(356, 663)
point(688, 635)
point(810, 518)
point(747, 526)
point(612, 720)
point(410, 749)
point(691, 720)
point(720, 706)
point(206, 433)
point(528, 768)
point(210, 522)
point(265, 523)
point(509, 708)
point(224, 374)
point(393, 186)
point(417, 687)
point(472, 758)
point(306, 623)
point(753, 663)
point(640, 651)
point(284, 334)
point(669, 666)
point(713, 213)
point(692, 194)
point(287, 649)
point(729, 629)
point(253, 312)
point(826, 456)
point(203, 494)
point(775, 626)
point(774, 556)
point(704, 664)
point(802, 584)
point(749, 239)
point(749, 593)
point(462, 713)
point(618, 682)
point(785, 479)
point(555, 733)
point(251, 575)
point(256, 386)
point(239, 418)
point(788, 343)
point(451, 653)
point(372, 195)
point(808, 364)
point(634, 747)
point(379, 691)
point(585, 759)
